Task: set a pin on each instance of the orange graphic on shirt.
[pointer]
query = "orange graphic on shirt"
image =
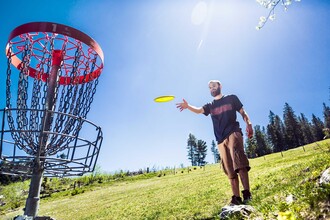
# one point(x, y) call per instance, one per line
point(221, 109)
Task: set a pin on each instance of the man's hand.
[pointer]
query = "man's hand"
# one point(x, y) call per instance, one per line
point(183, 105)
point(249, 130)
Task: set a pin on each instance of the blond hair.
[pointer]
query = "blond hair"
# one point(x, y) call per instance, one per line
point(214, 81)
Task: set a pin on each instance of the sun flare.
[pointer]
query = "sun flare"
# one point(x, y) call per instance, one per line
point(199, 13)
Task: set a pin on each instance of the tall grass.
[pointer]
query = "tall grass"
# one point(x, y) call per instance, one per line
point(201, 193)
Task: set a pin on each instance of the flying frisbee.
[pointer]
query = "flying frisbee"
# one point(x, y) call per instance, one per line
point(165, 98)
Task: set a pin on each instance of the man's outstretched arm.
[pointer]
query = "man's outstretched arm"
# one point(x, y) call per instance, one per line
point(184, 105)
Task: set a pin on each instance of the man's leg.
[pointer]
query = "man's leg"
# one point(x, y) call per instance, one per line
point(240, 162)
point(244, 176)
point(235, 186)
point(228, 168)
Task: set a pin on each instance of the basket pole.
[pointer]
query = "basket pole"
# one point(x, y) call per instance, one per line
point(32, 202)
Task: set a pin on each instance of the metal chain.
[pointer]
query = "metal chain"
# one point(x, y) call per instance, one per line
point(59, 74)
point(60, 118)
point(22, 85)
point(72, 95)
point(56, 119)
point(10, 118)
point(36, 97)
point(48, 68)
point(69, 94)
point(91, 90)
point(57, 83)
point(8, 81)
point(45, 87)
point(22, 95)
point(78, 107)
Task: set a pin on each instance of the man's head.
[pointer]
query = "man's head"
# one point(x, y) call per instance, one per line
point(215, 87)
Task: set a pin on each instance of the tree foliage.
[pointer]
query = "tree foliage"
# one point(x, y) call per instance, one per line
point(191, 146)
point(293, 132)
point(326, 115)
point(271, 5)
point(200, 153)
point(215, 151)
point(275, 132)
point(197, 151)
point(262, 145)
point(306, 128)
point(317, 128)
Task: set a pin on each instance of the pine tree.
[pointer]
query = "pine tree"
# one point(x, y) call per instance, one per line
point(271, 129)
point(200, 153)
point(317, 128)
point(251, 147)
point(279, 125)
point(292, 129)
point(268, 148)
point(275, 133)
point(326, 115)
point(261, 142)
point(215, 151)
point(306, 129)
point(191, 149)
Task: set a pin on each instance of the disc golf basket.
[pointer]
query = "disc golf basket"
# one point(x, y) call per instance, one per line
point(44, 130)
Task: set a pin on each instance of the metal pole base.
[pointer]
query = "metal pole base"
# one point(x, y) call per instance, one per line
point(31, 206)
point(32, 202)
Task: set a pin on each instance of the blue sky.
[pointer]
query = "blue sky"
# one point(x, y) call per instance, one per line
point(165, 47)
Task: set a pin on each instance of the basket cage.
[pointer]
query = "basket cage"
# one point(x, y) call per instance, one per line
point(48, 96)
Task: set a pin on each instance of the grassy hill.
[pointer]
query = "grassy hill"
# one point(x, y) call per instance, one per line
point(201, 193)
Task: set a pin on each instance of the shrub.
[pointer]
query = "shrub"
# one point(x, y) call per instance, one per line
point(14, 195)
point(76, 192)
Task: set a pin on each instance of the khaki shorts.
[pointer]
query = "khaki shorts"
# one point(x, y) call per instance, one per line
point(232, 155)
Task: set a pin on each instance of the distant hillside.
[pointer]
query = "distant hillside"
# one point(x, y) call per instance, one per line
point(201, 192)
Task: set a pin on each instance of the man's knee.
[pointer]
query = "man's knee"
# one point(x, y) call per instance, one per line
point(242, 170)
point(232, 176)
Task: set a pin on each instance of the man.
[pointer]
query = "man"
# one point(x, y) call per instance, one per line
point(229, 137)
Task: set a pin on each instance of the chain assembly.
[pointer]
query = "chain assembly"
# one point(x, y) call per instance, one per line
point(45, 118)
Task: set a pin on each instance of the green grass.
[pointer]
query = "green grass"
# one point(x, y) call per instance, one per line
point(200, 194)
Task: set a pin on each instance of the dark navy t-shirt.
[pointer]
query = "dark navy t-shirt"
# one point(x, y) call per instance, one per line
point(223, 114)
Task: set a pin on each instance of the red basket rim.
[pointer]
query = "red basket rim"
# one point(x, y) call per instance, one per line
point(58, 29)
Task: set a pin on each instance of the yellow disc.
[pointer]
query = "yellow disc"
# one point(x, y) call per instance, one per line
point(165, 98)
